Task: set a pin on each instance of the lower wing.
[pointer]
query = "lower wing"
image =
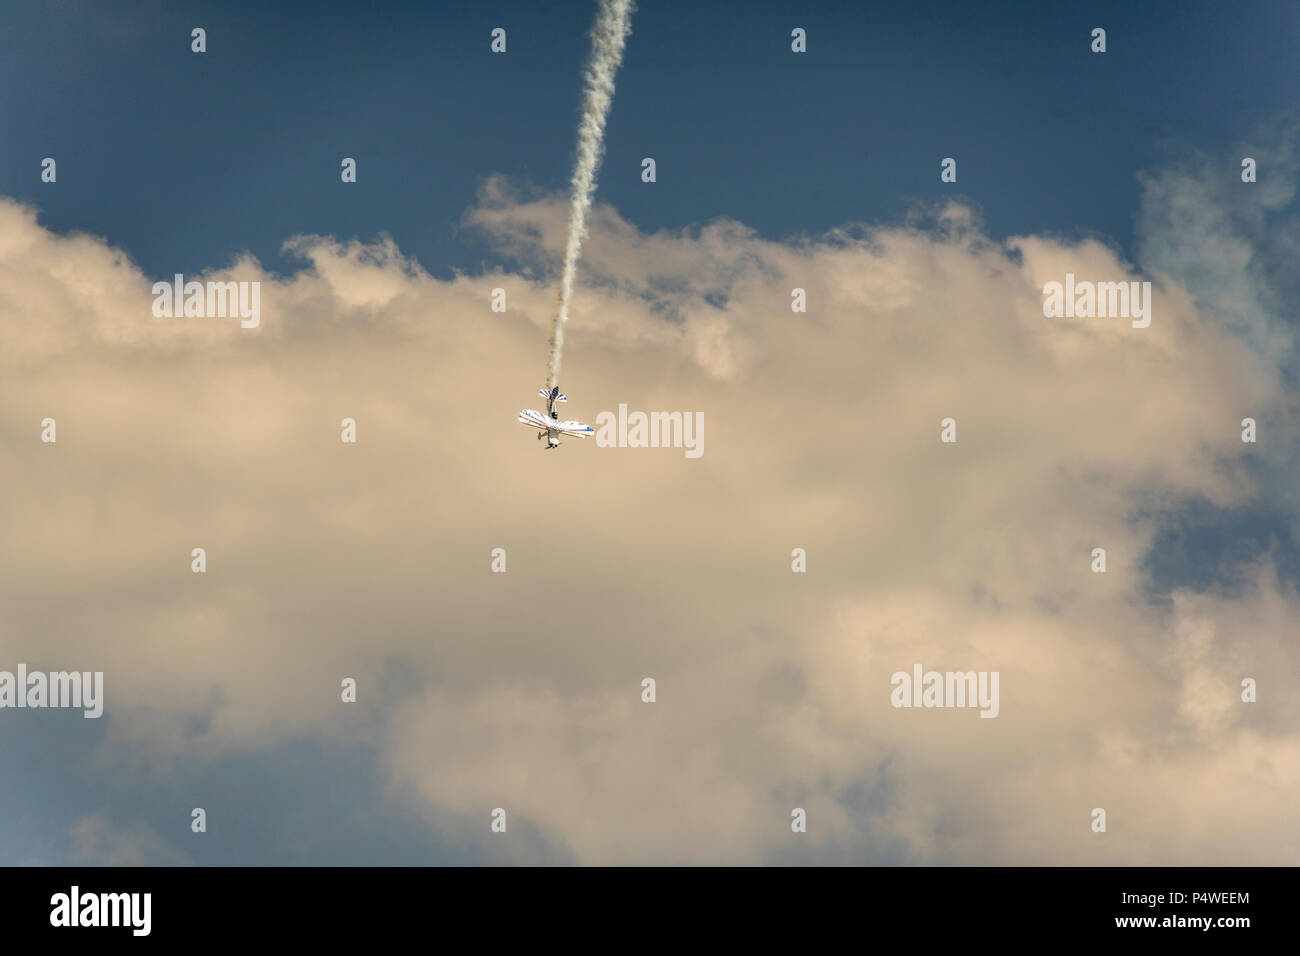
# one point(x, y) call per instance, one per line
point(578, 429)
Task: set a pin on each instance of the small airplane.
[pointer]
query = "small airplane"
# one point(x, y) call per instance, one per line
point(550, 424)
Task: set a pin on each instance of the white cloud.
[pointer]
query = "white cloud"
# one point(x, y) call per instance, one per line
point(327, 560)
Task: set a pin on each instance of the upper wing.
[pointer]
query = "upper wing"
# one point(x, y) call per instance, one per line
point(579, 429)
point(536, 419)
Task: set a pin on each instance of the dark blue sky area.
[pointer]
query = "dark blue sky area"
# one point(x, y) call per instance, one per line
point(186, 159)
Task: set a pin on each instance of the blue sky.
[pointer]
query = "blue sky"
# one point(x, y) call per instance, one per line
point(185, 161)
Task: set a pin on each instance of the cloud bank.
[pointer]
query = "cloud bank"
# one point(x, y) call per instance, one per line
point(522, 690)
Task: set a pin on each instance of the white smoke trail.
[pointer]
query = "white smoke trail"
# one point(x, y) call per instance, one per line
point(613, 24)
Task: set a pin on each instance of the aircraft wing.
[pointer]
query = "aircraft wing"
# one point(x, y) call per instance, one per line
point(578, 429)
point(536, 419)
